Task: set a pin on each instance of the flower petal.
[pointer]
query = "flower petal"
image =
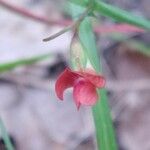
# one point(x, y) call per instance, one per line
point(97, 80)
point(64, 81)
point(84, 93)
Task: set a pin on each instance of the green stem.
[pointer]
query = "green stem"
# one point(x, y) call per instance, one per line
point(121, 15)
point(116, 13)
point(106, 139)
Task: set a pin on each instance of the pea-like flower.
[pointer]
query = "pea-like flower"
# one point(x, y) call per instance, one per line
point(84, 85)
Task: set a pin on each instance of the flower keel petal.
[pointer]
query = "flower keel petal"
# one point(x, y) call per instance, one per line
point(85, 93)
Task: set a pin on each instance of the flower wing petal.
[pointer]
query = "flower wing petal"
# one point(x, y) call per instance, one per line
point(64, 81)
point(97, 80)
point(85, 93)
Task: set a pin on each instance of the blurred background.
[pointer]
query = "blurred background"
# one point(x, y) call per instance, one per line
point(33, 116)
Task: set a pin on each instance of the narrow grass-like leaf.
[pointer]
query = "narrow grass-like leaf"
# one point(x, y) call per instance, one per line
point(118, 14)
point(106, 139)
point(87, 39)
point(121, 15)
point(79, 2)
point(137, 45)
point(28, 61)
point(5, 136)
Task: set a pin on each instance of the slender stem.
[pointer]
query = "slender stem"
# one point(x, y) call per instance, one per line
point(58, 34)
point(74, 25)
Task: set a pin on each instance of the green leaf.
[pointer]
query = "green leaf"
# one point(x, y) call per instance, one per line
point(79, 2)
point(117, 14)
point(28, 61)
point(139, 46)
point(121, 15)
point(86, 36)
point(136, 45)
point(5, 136)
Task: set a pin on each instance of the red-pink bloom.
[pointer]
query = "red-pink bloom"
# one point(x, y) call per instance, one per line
point(84, 85)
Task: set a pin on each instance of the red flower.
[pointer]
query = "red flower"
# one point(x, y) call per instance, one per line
point(84, 85)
